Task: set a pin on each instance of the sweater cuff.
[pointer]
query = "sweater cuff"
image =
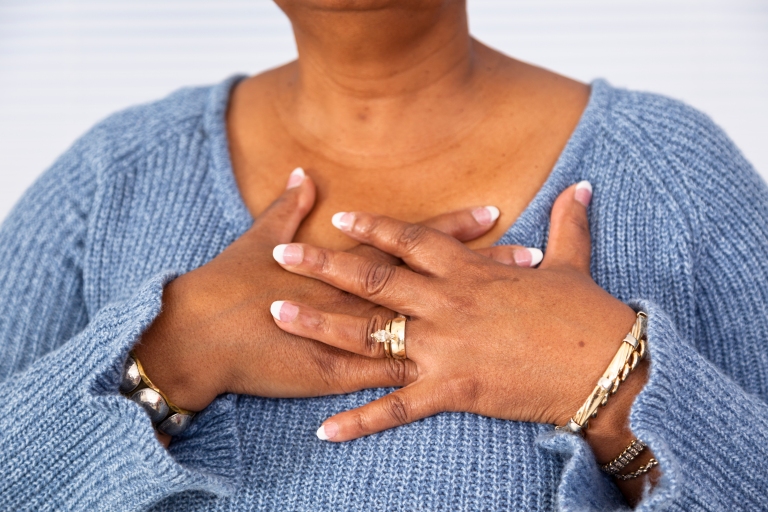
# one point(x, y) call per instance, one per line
point(72, 430)
point(707, 433)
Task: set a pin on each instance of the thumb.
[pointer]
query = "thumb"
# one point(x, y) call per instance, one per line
point(279, 222)
point(569, 240)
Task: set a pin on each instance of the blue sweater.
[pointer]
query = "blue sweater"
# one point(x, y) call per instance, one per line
point(680, 229)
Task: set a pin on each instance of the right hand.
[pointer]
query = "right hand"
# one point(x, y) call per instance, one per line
point(215, 333)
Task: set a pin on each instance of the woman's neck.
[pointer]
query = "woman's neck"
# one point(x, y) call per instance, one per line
point(383, 78)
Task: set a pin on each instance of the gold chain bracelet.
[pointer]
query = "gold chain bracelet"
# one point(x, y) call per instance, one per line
point(630, 353)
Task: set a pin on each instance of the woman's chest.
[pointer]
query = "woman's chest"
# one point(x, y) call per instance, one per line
point(481, 171)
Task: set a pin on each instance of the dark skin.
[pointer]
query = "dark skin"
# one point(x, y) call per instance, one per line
point(393, 109)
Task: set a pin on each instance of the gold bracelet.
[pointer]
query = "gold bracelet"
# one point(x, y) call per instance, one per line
point(630, 353)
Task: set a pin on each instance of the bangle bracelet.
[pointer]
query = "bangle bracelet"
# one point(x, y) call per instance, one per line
point(628, 455)
point(643, 470)
point(630, 353)
point(166, 417)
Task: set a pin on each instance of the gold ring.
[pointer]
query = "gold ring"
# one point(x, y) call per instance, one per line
point(397, 337)
point(383, 336)
point(393, 338)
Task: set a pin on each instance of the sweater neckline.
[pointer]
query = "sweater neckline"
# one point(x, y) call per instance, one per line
point(567, 169)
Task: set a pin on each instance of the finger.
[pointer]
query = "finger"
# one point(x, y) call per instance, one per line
point(403, 406)
point(347, 332)
point(396, 288)
point(356, 373)
point(513, 255)
point(569, 240)
point(279, 222)
point(424, 249)
point(465, 225)
point(372, 253)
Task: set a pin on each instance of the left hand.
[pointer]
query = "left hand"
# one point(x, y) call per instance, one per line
point(501, 341)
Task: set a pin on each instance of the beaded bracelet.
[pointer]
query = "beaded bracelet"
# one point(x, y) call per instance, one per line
point(166, 417)
point(630, 353)
point(628, 455)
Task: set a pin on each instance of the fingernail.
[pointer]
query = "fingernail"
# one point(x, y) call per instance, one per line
point(288, 254)
point(343, 220)
point(486, 216)
point(327, 431)
point(583, 192)
point(529, 257)
point(296, 178)
point(284, 311)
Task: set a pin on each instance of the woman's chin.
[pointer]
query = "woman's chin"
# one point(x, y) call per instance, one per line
point(357, 5)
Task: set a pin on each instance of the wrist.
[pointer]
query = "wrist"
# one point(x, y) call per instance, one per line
point(609, 432)
point(171, 361)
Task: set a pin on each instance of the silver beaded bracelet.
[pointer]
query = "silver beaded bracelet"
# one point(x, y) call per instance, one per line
point(628, 455)
point(166, 417)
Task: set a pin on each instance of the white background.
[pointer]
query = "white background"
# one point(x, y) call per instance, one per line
point(66, 64)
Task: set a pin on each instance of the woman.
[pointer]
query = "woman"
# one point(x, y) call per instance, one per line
point(398, 116)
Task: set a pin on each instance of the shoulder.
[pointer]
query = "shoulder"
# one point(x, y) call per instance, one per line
point(140, 129)
point(137, 141)
point(682, 161)
point(665, 135)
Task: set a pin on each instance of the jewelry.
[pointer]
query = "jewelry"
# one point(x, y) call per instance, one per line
point(643, 470)
point(383, 336)
point(167, 417)
point(397, 330)
point(393, 338)
point(630, 353)
point(628, 455)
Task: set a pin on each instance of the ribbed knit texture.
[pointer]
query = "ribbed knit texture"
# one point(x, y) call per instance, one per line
point(680, 229)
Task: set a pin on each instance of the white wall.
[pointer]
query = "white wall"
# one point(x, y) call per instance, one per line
point(66, 64)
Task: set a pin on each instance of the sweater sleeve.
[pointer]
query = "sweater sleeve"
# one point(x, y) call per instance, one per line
point(704, 410)
point(68, 440)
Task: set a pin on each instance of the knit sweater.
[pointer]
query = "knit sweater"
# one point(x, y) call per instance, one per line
point(679, 225)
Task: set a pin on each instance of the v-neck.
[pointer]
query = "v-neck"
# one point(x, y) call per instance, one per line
point(564, 173)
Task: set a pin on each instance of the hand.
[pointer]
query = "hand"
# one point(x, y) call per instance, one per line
point(490, 339)
point(214, 334)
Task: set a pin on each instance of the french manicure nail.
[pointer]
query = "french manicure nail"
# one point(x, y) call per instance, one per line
point(296, 178)
point(536, 256)
point(327, 431)
point(527, 257)
point(523, 257)
point(583, 192)
point(343, 220)
point(284, 311)
point(486, 215)
point(288, 254)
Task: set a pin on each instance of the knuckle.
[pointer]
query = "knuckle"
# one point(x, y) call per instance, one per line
point(321, 324)
point(321, 262)
point(360, 420)
point(375, 277)
point(397, 408)
point(411, 237)
point(397, 371)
